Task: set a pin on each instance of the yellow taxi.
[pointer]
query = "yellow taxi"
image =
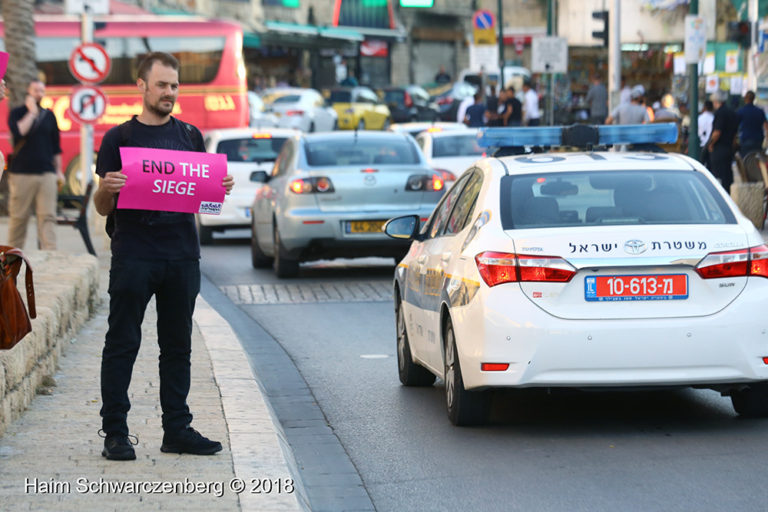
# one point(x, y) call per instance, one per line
point(359, 108)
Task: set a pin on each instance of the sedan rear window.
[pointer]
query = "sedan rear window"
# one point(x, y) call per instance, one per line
point(349, 151)
point(292, 98)
point(456, 145)
point(341, 96)
point(251, 149)
point(610, 197)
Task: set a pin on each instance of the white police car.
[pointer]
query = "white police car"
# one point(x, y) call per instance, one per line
point(585, 270)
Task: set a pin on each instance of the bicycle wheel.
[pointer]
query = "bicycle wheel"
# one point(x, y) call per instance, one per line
point(752, 162)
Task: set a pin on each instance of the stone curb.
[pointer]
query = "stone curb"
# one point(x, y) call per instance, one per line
point(66, 295)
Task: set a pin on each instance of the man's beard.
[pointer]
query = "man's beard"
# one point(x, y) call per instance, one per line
point(160, 110)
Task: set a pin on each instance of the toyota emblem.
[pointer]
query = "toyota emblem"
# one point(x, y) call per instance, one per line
point(634, 247)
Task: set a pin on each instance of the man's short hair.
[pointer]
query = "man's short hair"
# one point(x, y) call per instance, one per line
point(166, 59)
point(749, 97)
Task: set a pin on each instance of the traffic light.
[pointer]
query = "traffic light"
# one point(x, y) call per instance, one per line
point(740, 32)
point(601, 34)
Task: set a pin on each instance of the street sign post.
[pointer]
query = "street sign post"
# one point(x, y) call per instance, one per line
point(549, 55)
point(87, 104)
point(484, 27)
point(89, 63)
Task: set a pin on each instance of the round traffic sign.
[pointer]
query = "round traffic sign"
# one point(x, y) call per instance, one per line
point(87, 104)
point(89, 63)
point(483, 19)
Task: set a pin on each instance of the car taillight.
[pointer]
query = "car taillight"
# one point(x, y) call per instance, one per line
point(444, 100)
point(294, 112)
point(500, 267)
point(408, 100)
point(311, 185)
point(446, 174)
point(742, 262)
point(431, 183)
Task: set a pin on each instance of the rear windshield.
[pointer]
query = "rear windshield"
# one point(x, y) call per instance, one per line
point(610, 197)
point(251, 149)
point(341, 96)
point(456, 145)
point(361, 152)
point(394, 96)
point(287, 99)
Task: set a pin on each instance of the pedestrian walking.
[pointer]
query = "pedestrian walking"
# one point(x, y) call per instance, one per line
point(475, 117)
point(725, 126)
point(705, 130)
point(531, 110)
point(752, 125)
point(597, 101)
point(633, 112)
point(34, 174)
point(513, 111)
point(153, 253)
point(492, 108)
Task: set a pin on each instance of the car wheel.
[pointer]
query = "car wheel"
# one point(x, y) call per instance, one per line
point(411, 374)
point(335, 125)
point(205, 233)
point(361, 125)
point(464, 407)
point(386, 124)
point(284, 267)
point(751, 402)
point(258, 258)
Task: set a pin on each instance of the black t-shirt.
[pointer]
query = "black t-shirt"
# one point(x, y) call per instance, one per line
point(42, 142)
point(728, 123)
point(517, 110)
point(145, 234)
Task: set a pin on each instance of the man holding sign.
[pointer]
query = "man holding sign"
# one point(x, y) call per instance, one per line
point(154, 172)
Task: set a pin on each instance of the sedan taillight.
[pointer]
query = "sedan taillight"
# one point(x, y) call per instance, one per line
point(446, 175)
point(500, 267)
point(428, 182)
point(739, 263)
point(311, 185)
point(294, 112)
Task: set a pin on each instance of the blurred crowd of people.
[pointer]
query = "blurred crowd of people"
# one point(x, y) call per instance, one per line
point(502, 109)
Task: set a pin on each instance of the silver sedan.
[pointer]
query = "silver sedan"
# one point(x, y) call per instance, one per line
point(329, 195)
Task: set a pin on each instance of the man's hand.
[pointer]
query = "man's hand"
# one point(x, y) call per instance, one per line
point(112, 182)
point(31, 105)
point(228, 182)
point(60, 179)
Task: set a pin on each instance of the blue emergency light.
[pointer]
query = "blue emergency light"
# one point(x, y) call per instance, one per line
point(579, 135)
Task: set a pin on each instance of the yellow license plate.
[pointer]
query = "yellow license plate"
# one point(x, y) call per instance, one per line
point(365, 226)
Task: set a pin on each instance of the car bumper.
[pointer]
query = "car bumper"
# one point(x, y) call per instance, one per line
point(293, 122)
point(312, 234)
point(501, 326)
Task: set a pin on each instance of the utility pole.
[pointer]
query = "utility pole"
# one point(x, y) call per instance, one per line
point(614, 53)
point(693, 98)
point(551, 80)
point(500, 21)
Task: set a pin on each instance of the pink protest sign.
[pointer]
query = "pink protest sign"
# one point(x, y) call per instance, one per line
point(172, 181)
point(3, 63)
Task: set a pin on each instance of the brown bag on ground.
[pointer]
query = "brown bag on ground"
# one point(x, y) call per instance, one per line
point(14, 320)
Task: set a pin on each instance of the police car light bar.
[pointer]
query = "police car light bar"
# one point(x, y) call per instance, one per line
point(586, 135)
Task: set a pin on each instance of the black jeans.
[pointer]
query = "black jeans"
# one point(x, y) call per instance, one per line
point(175, 285)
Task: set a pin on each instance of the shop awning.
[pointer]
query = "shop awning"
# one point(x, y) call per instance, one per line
point(344, 33)
point(251, 40)
point(386, 34)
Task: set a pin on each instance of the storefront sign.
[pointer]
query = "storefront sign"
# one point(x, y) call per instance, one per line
point(374, 49)
point(172, 181)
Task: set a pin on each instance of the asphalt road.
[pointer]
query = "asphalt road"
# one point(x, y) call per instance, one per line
point(324, 347)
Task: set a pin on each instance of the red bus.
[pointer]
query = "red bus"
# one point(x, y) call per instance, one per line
point(212, 74)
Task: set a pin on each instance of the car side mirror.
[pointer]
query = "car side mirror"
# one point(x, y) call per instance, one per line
point(403, 228)
point(259, 177)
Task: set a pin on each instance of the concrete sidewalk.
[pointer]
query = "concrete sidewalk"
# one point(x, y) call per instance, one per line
point(50, 458)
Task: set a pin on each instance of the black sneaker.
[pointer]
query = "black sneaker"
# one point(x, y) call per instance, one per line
point(189, 440)
point(119, 447)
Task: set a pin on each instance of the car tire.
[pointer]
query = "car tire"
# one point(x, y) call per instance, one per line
point(205, 233)
point(386, 124)
point(361, 125)
point(411, 374)
point(312, 127)
point(751, 402)
point(284, 267)
point(258, 258)
point(464, 407)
